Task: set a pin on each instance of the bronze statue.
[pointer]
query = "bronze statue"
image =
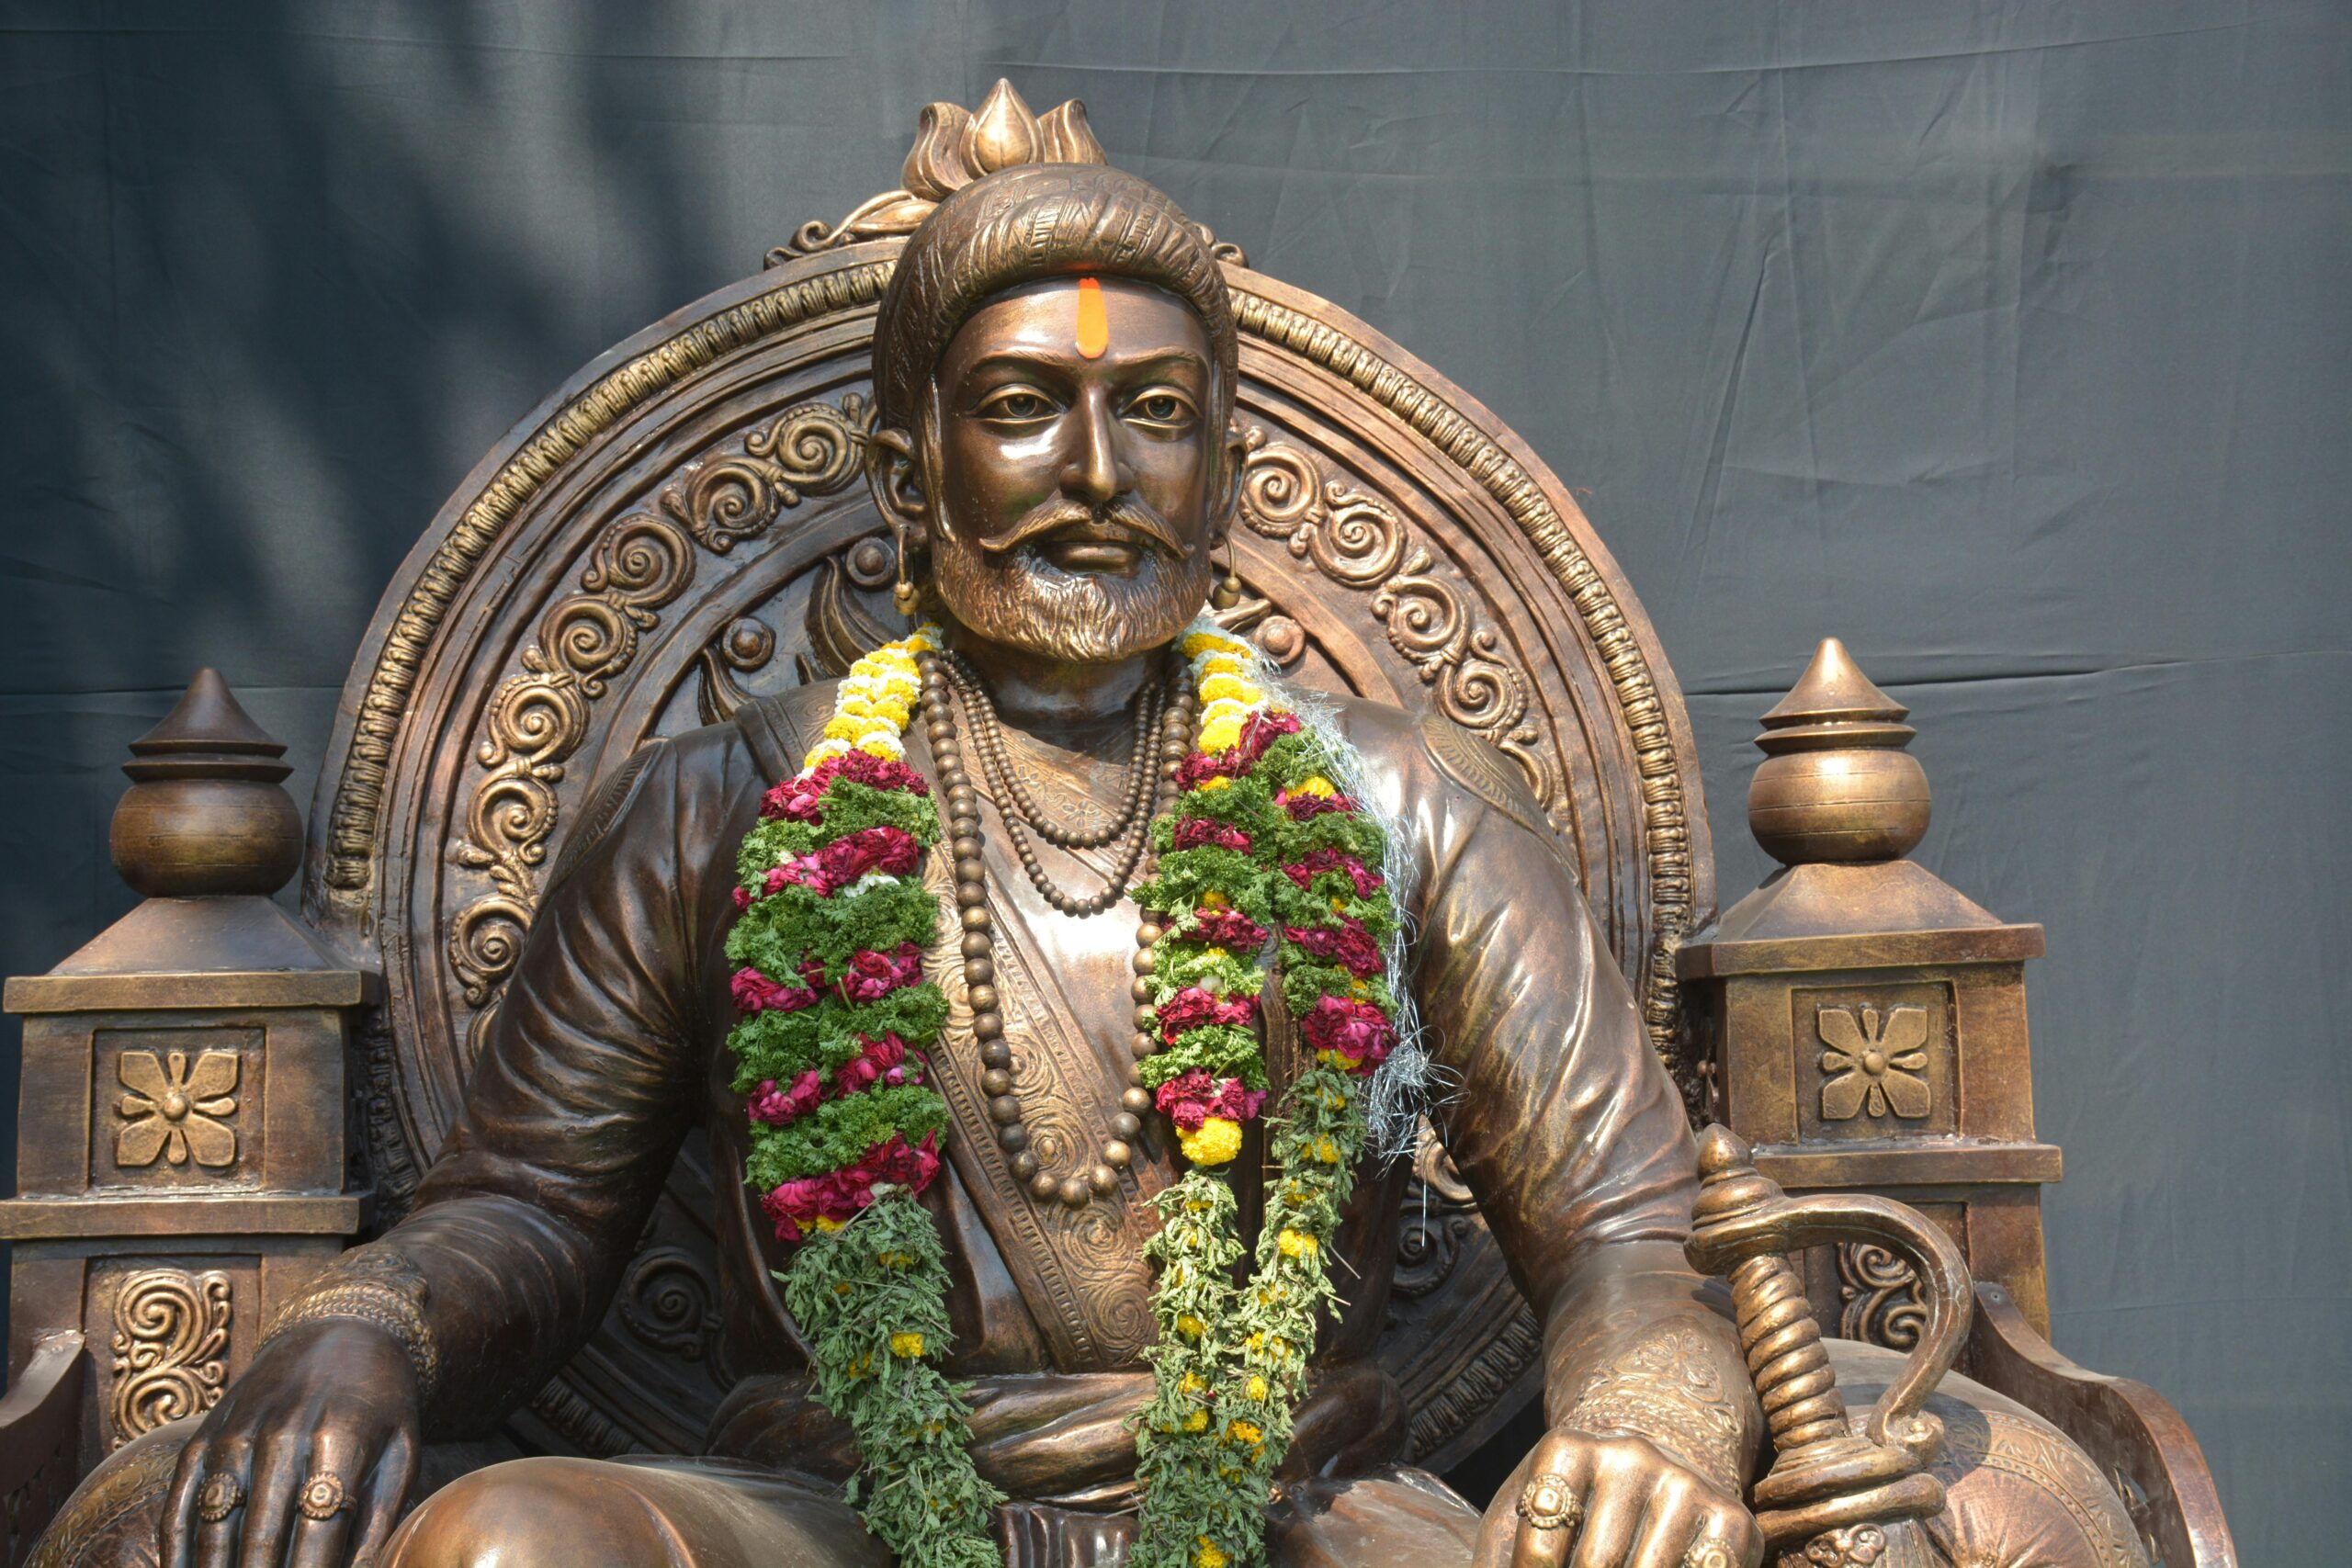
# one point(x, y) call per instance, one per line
point(1058, 460)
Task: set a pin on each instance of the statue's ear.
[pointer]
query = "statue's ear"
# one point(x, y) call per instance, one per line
point(1230, 459)
point(896, 479)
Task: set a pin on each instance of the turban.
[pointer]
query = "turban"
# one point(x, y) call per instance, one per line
point(1033, 222)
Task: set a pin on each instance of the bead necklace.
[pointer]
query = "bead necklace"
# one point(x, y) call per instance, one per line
point(1154, 759)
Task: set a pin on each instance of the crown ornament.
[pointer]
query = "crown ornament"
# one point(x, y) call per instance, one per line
point(954, 146)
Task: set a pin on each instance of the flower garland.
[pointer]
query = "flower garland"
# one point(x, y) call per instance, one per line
point(830, 1056)
point(1262, 849)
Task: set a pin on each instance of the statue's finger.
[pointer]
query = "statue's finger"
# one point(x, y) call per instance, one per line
point(1674, 1521)
point(277, 1470)
point(223, 1479)
point(1552, 1504)
point(175, 1530)
point(379, 1505)
point(1613, 1515)
point(324, 1500)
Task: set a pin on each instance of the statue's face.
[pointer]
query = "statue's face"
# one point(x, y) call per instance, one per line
point(1074, 479)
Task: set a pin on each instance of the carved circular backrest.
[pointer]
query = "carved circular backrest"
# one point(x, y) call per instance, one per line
point(685, 524)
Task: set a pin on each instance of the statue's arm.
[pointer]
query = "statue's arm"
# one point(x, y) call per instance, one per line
point(1565, 1125)
point(573, 1113)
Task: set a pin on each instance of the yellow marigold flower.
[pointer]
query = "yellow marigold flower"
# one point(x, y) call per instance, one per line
point(1217, 1142)
point(1220, 782)
point(883, 744)
point(1221, 734)
point(1296, 1244)
point(1325, 1149)
point(1242, 1433)
point(907, 1346)
point(842, 727)
point(1216, 955)
point(1316, 785)
point(1198, 1421)
point(820, 751)
point(1190, 1326)
point(1208, 1554)
point(1221, 664)
point(1218, 687)
point(1212, 899)
point(1192, 1382)
point(1257, 1388)
point(1197, 643)
point(823, 1223)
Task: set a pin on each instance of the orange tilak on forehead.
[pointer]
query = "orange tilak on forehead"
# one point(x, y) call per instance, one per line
point(1093, 321)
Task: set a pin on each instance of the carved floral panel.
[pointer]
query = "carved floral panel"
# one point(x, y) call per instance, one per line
point(175, 1107)
point(1874, 1060)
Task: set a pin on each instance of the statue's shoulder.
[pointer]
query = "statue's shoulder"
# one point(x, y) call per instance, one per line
point(781, 727)
point(1412, 754)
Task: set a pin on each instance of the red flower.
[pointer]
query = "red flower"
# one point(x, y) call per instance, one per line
point(1262, 729)
point(882, 1060)
point(742, 899)
point(776, 1107)
point(841, 1194)
point(1304, 871)
point(1357, 1031)
point(1191, 1096)
point(1229, 928)
point(890, 850)
point(1302, 806)
point(754, 992)
point(1198, 767)
point(1193, 1008)
point(1347, 945)
point(872, 975)
point(801, 797)
point(1194, 832)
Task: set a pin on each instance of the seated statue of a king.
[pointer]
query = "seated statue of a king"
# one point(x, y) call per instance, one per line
point(1060, 987)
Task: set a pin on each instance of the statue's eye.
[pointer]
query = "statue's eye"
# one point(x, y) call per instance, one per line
point(1018, 404)
point(1161, 408)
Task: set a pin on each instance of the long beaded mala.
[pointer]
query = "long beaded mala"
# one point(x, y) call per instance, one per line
point(1261, 849)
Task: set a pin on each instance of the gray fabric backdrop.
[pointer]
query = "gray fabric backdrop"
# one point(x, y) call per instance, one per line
point(2008, 342)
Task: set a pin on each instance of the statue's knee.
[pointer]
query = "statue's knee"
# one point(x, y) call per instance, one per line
point(113, 1518)
point(532, 1513)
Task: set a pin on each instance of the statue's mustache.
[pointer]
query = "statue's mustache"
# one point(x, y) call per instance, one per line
point(1127, 515)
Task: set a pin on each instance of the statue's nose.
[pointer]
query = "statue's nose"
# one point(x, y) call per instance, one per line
point(1095, 474)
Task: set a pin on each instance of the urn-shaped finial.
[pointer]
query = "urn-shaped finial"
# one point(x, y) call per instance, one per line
point(205, 812)
point(1835, 784)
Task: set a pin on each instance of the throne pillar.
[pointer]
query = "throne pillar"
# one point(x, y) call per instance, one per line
point(1869, 1020)
point(185, 1165)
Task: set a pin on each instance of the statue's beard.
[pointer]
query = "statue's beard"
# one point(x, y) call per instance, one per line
point(1011, 594)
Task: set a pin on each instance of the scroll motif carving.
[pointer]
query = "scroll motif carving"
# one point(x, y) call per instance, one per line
point(637, 567)
point(359, 789)
point(1439, 1214)
point(170, 1344)
point(669, 1300)
point(176, 1109)
point(1359, 541)
point(1880, 1297)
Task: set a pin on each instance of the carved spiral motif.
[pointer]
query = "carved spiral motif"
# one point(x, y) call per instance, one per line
point(171, 1339)
point(669, 1300)
point(1880, 1292)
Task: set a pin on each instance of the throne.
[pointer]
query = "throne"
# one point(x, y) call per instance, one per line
point(681, 527)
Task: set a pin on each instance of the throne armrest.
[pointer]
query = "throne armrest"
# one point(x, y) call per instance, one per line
point(2132, 1432)
point(41, 1443)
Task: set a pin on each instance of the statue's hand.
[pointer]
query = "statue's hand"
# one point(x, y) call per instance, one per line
point(1619, 1501)
point(305, 1460)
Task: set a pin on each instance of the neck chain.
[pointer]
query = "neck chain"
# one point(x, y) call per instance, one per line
point(1155, 759)
point(1160, 742)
